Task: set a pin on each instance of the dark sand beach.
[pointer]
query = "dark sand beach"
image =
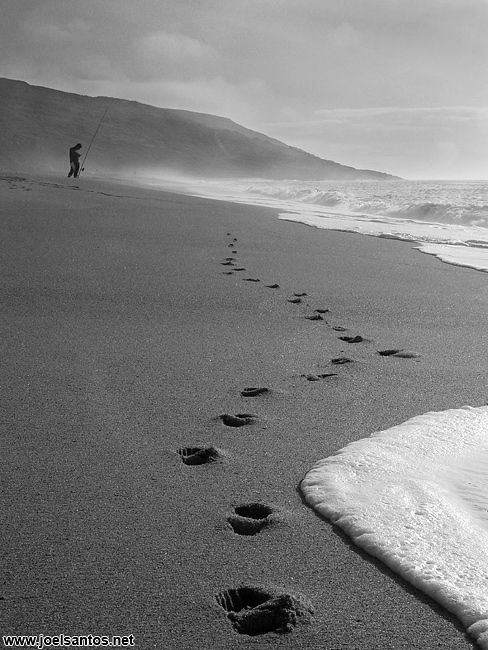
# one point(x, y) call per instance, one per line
point(126, 336)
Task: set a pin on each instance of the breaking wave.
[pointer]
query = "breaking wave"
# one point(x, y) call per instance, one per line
point(448, 202)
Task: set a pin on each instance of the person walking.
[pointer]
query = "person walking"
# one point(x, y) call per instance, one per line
point(74, 160)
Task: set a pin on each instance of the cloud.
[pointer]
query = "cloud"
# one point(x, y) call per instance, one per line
point(345, 37)
point(419, 142)
point(399, 117)
point(49, 31)
point(167, 55)
point(381, 120)
point(213, 95)
point(307, 55)
point(170, 46)
point(93, 67)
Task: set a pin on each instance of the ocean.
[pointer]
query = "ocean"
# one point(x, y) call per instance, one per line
point(447, 219)
point(415, 495)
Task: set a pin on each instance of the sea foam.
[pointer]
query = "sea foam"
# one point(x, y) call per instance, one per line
point(416, 497)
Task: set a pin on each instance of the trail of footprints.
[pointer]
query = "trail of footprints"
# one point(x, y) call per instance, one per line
point(254, 610)
point(318, 314)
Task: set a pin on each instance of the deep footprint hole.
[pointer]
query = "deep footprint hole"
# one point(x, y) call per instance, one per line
point(235, 600)
point(314, 317)
point(238, 420)
point(254, 610)
point(198, 455)
point(352, 339)
point(250, 518)
point(254, 511)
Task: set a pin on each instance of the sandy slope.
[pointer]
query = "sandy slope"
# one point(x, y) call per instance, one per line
point(125, 339)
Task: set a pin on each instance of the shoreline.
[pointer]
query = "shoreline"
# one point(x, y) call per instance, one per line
point(459, 244)
point(127, 341)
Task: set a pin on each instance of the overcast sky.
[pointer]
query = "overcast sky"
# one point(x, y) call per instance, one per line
point(400, 86)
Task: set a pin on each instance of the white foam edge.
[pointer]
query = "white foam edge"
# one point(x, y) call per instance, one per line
point(335, 488)
point(467, 256)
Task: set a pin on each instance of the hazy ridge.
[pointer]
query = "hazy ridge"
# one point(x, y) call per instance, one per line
point(38, 125)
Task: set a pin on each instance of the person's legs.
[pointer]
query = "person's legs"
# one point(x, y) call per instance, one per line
point(72, 170)
point(77, 169)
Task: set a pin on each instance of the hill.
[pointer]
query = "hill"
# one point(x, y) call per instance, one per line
point(38, 125)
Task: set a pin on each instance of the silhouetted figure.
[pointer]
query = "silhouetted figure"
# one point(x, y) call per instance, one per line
point(74, 160)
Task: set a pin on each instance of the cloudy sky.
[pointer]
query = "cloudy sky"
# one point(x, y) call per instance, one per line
point(395, 85)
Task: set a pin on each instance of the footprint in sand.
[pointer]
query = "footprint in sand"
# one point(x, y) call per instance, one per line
point(198, 455)
point(240, 268)
point(352, 339)
point(321, 311)
point(238, 420)
point(403, 354)
point(228, 263)
point(324, 375)
point(341, 360)
point(250, 518)
point(339, 328)
point(295, 301)
point(228, 272)
point(254, 392)
point(251, 279)
point(315, 317)
point(256, 610)
point(300, 295)
point(273, 286)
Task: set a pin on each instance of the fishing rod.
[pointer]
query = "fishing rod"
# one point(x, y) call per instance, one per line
point(88, 150)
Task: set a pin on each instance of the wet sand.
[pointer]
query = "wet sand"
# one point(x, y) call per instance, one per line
point(127, 334)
